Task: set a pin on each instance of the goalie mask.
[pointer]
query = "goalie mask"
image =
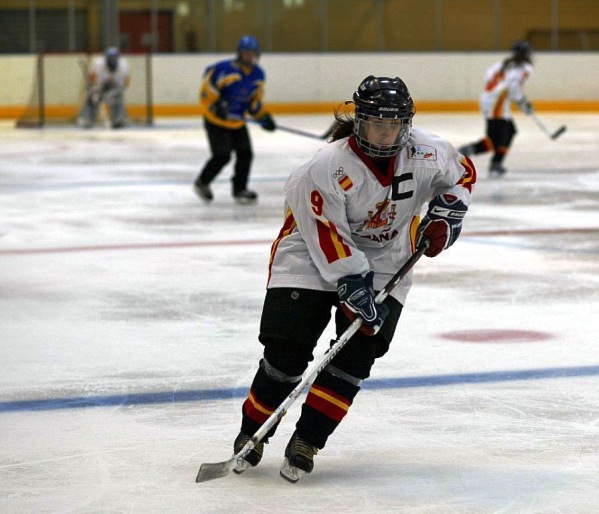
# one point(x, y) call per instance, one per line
point(383, 118)
point(112, 58)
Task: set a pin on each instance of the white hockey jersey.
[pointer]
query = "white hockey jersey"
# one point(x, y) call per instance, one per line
point(102, 76)
point(503, 85)
point(343, 216)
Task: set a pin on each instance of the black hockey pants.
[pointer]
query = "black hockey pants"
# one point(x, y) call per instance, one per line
point(500, 132)
point(498, 139)
point(223, 142)
point(292, 322)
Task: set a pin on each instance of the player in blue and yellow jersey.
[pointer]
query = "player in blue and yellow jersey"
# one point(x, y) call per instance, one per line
point(230, 91)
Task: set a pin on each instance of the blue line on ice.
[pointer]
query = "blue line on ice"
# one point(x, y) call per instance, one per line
point(199, 395)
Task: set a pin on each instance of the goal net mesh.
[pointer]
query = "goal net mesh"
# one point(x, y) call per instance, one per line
point(60, 87)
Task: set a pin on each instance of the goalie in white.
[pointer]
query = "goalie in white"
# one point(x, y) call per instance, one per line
point(352, 218)
point(107, 81)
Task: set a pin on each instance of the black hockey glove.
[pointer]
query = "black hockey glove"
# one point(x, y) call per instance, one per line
point(220, 108)
point(356, 297)
point(442, 224)
point(267, 122)
point(524, 105)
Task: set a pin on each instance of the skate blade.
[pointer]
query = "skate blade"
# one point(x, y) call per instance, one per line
point(291, 473)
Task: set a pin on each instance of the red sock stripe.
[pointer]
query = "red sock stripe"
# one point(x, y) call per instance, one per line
point(255, 410)
point(328, 402)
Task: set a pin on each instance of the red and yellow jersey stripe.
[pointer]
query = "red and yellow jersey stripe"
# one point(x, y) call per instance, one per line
point(469, 177)
point(331, 243)
point(414, 224)
point(288, 227)
point(498, 108)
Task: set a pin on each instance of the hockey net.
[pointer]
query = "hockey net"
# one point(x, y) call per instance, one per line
point(60, 87)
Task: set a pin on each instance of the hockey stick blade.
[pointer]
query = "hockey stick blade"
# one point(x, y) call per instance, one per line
point(212, 471)
point(542, 126)
point(559, 132)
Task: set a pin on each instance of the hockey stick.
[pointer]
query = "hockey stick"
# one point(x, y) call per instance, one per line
point(211, 471)
point(94, 97)
point(291, 130)
point(542, 126)
point(328, 133)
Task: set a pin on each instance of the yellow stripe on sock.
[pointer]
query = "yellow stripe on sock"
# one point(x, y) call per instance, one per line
point(330, 399)
point(257, 406)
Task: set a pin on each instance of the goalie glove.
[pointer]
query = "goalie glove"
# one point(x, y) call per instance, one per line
point(356, 297)
point(442, 224)
point(524, 105)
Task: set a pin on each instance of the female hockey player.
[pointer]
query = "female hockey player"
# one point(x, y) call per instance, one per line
point(352, 218)
point(504, 83)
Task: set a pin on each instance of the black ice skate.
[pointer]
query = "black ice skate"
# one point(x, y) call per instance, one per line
point(299, 459)
point(466, 150)
point(203, 191)
point(496, 170)
point(245, 197)
point(251, 459)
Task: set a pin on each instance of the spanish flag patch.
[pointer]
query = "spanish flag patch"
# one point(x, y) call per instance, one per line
point(345, 182)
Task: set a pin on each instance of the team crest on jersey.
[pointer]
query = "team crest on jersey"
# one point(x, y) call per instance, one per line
point(344, 181)
point(384, 215)
point(422, 152)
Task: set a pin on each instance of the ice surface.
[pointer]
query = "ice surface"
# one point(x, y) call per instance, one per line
point(129, 315)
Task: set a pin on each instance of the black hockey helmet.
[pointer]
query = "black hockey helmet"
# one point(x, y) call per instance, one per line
point(521, 50)
point(382, 98)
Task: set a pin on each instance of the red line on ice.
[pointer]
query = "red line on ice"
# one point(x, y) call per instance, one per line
point(198, 244)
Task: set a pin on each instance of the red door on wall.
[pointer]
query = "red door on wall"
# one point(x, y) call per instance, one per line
point(135, 29)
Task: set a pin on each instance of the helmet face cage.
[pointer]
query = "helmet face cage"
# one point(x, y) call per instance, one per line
point(112, 58)
point(377, 99)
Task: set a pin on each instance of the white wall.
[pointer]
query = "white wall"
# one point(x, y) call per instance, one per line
point(296, 78)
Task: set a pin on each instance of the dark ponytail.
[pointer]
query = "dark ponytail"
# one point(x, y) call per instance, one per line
point(345, 123)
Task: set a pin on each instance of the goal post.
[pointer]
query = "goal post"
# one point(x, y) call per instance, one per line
point(60, 87)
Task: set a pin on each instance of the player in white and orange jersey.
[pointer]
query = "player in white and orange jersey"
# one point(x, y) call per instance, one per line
point(504, 83)
point(352, 218)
